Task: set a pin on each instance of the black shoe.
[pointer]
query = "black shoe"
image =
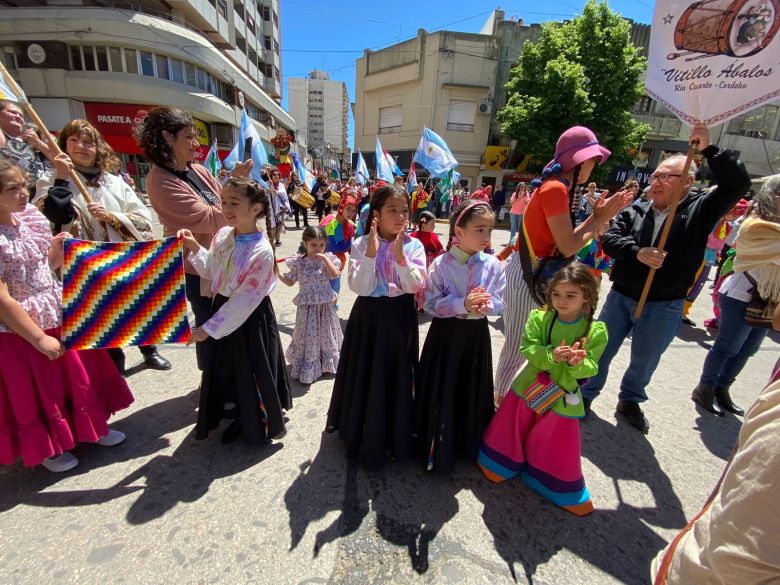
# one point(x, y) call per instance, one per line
point(723, 398)
point(231, 433)
point(633, 415)
point(704, 396)
point(155, 361)
point(688, 321)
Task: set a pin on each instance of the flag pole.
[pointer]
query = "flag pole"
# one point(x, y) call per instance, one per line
point(667, 225)
point(25, 103)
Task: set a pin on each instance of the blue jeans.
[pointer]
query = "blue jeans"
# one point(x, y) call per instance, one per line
point(651, 334)
point(514, 223)
point(735, 344)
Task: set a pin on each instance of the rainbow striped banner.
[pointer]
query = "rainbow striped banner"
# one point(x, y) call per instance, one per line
point(117, 294)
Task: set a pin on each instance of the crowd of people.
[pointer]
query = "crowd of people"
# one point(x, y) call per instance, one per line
point(390, 399)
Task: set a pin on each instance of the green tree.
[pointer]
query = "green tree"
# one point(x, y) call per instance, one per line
point(582, 72)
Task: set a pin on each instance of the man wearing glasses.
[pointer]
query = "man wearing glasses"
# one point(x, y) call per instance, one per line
point(632, 241)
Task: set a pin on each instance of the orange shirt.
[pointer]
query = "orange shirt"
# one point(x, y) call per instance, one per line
point(549, 200)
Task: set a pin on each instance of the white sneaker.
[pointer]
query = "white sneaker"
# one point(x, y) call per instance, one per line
point(112, 439)
point(61, 463)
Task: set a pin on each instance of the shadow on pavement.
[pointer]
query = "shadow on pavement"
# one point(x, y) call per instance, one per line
point(718, 433)
point(145, 430)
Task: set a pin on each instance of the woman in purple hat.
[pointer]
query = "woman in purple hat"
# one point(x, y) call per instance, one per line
point(548, 223)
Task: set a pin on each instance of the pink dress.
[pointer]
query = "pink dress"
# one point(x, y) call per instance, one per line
point(317, 335)
point(47, 406)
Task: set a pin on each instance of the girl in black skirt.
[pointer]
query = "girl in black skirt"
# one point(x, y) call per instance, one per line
point(371, 406)
point(454, 402)
point(244, 362)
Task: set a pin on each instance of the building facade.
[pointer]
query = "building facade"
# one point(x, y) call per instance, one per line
point(320, 107)
point(110, 63)
point(444, 81)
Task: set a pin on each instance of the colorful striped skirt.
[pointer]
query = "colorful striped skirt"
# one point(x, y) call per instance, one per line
point(544, 450)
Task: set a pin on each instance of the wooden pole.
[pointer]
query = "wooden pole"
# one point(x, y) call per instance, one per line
point(667, 225)
point(24, 102)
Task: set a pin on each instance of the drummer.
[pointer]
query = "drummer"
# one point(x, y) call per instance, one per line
point(294, 187)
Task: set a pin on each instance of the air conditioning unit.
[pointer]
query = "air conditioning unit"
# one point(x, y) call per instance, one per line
point(485, 107)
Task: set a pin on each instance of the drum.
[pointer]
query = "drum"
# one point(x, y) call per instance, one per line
point(737, 28)
point(303, 198)
point(334, 199)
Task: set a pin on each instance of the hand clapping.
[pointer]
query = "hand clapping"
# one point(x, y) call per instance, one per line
point(572, 355)
point(478, 301)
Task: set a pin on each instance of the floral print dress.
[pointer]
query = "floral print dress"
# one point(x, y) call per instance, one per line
point(317, 336)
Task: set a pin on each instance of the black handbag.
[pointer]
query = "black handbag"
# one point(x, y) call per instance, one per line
point(759, 311)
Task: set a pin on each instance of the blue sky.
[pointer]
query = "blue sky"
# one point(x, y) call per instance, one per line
point(332, 35)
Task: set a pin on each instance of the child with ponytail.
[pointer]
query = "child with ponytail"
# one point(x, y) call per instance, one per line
point(454, 389)
point(245, 364)
point(536, 432)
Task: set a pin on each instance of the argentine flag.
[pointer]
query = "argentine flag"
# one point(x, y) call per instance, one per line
point(361, 170)
point(258, 154)
point(384, 170)
point(434, 154)
point(212, 160)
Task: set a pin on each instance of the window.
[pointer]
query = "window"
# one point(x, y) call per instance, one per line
point(102, 58)
point(241, 43)
point(147, 64)
point(162, 67)
point(202, 80)
point(642, 106)
point(238, 8)
point(250, 23)
point(460, 116)
point(75, 58)
point(277, 74)
point(276, 19)
point(267, 42)
point(390, 119)
point(223, 133)
point(8, 57)
point(222, 8)
point(276, 47)
point(89, 58)
point(269, 70)
point(131, 61)
point(266, 13)
point(755, 124)
point(115, 57)
point(177, 71)
point(189, 69)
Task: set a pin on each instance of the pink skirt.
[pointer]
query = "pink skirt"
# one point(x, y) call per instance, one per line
point(47, 406)
point(544, 450)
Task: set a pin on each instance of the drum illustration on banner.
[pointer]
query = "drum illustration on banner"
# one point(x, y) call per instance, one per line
point(712, 60)
point(737, 28)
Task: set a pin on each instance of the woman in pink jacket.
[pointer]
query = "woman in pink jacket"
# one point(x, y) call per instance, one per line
point(518, 203)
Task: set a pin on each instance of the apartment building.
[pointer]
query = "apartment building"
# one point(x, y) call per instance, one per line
point(110, 61)
point(320, 107)
point(443, 80)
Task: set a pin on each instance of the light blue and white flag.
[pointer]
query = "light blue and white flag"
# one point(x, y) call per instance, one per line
point(384, 170)
point(212, 162)
point(304, 174)
point(397, 172)
point(434, 154)
point(361, 170)
point(258, 154)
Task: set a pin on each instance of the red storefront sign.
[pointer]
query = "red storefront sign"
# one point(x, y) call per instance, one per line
point(116, 122)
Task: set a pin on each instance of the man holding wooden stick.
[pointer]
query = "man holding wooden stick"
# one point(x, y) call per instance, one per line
point(634, 242)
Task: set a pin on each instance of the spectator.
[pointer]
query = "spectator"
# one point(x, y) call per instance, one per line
point(22, 144)
point(631, 241)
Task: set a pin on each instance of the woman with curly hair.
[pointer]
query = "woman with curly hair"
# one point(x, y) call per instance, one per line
point(183, 193)
point(114, 213)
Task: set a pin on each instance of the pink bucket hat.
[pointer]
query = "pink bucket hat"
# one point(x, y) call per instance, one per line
point(575, 146)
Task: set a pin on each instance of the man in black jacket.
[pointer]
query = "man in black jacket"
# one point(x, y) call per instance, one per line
point(632, 242)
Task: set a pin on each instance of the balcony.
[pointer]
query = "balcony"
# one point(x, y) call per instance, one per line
point(273, 87)
point(661, 126)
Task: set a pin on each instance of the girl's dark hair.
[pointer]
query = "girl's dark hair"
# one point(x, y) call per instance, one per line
point(105, 158)
point(481, 210)
point(312, 232)
point(427, 216)
point(255, 193)
point(149, 133)
point(579, 275)
point(6, 164)
point(382, 195)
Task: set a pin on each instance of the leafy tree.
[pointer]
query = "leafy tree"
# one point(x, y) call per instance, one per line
point(582, 72)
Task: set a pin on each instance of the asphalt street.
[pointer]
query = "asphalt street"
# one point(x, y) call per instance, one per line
point(164, 508)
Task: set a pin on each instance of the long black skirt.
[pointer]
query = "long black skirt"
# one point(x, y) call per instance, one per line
point(454, 391)
point(371, 406)
point(247, 368)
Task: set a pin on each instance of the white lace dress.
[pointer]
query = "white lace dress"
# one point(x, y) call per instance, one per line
point(317, 336)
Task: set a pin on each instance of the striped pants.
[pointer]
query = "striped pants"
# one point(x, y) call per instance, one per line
point(518, 304)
